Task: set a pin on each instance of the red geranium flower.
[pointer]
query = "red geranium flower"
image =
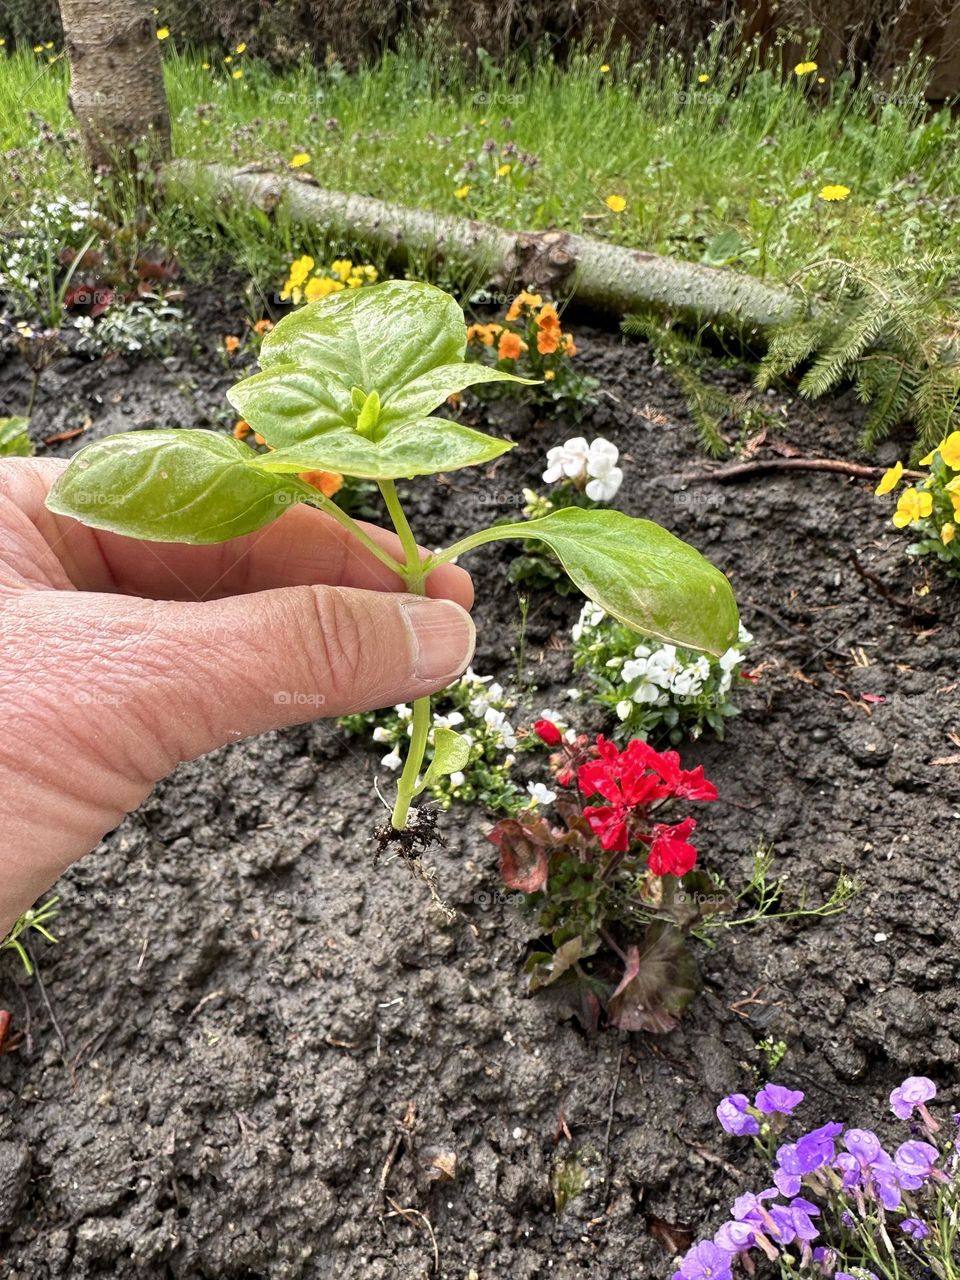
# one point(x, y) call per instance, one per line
point(547, 732)
point(623, 780)
point(687, 784)
point(671, 854)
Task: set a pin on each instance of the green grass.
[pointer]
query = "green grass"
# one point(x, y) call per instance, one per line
point(724, 171)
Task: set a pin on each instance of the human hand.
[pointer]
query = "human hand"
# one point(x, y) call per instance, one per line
point(121, 658)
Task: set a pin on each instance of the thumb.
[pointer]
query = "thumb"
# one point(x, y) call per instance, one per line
point(246, 664)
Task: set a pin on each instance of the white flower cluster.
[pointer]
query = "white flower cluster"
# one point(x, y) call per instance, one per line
point(595, 463)
point(654, 675)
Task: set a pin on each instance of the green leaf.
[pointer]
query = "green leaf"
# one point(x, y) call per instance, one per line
point(15, 440)
point(641, 574)
point(172, 486)
point(397, 345)
point(413, 449)
point(450, 753)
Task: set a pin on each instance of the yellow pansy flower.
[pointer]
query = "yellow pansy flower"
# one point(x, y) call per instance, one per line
point(461, 193)
point(914, 504)
point(948, 533)
point(163, 33)
point(615, 203)
point(950, 450)
point(890, 479)
point(300, 159)
point(834, 191)
point(804, 68)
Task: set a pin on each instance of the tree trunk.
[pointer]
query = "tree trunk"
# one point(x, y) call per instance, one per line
point(116, 78)
point(607, 276)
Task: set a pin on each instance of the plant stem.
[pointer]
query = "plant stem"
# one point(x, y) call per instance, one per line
point(414, 575)
point(527, 530)
point(412, 570)
point(316, 499)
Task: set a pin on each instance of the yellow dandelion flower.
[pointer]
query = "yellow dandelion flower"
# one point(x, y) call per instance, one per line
point(163, 33)
point(242, 47)
point(615, 203)
point(238, 74)
point(605, 68)
point(228, 58)
point(300, 159)
point(834, 191)
point(461, 193)
point(504, 170)
point(890, 479)
point(804, 68)
point(370, 272)
point(703, 78)
point(342, 267)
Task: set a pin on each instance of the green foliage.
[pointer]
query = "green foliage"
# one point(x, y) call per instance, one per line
point(35, 920)
point(15, 439)
point(725, 171)
point(891, 330)
point(349, 384)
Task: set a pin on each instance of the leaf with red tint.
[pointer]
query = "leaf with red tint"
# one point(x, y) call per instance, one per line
point(157, 268)
point(659, 981)
point(524, 862)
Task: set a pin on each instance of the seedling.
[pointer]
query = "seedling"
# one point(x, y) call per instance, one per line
point(349, 384)
point(36, 918)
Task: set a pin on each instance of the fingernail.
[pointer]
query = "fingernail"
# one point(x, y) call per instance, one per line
point(444, 635)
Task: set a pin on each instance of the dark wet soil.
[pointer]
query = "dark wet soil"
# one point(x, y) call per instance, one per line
point(257, 1022)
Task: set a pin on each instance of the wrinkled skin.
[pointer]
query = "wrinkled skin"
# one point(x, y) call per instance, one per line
point(121, 658)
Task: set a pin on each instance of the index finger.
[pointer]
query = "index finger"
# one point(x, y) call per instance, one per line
point(303, 547)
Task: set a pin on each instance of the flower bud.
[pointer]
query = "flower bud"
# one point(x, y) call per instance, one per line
point(547, 732)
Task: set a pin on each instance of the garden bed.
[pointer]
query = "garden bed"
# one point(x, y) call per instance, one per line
point(249, 1008)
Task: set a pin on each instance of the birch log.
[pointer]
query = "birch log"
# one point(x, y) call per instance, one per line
point(609, 277)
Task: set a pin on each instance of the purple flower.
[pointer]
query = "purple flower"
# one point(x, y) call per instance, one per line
point(863, 1144)
point(916, 1160)
point(794, 1221)
point(848, 1167)
point(915, 1228)
point(777, 1098)
point(704, 1262)
point(845, 1275)
point(735, 1117)
point(826, 1259)
point(914, 1092)
point(736, 1237)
